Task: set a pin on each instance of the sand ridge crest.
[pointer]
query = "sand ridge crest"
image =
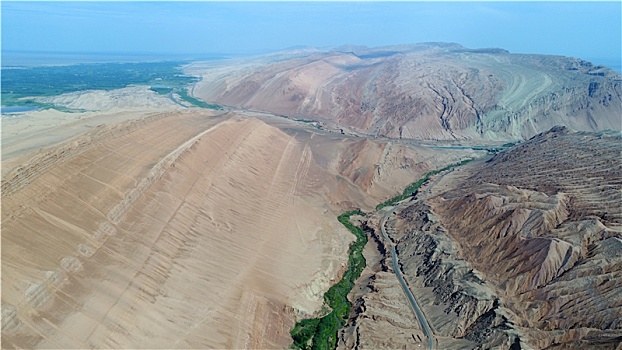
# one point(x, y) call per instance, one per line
point(191, 229)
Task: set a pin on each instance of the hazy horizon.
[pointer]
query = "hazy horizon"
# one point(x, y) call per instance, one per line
point(51, 58)
point(585, 30)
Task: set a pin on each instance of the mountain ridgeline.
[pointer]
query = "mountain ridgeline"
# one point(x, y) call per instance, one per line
point(431, 91)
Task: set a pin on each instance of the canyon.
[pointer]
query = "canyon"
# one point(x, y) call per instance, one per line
point(136, 222)
point(185, 229)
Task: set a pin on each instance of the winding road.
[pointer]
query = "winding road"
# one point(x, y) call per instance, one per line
point(396, 268)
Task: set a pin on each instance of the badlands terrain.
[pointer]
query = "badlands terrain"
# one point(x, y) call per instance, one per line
point(521, 251)
point(433, 91)
point(136, 222)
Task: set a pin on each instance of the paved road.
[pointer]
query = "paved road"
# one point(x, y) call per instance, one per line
point(396, 268)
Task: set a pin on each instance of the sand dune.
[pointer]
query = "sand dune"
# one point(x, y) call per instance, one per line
point(29, 132)
point(185, 229)
point(131, 97)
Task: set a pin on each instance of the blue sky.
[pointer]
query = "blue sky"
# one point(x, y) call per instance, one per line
point(579, 29)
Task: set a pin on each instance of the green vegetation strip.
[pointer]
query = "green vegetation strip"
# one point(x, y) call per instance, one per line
point(20, 84)
point(321, 333)
point(183, 93)
point(412, 189)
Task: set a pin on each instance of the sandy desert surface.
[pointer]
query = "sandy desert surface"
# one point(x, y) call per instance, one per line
point(25, 133)
point(193, 228)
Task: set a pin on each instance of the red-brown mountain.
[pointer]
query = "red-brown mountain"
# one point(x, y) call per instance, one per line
point(432, 91)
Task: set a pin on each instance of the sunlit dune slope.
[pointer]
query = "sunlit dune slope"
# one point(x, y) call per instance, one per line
point(31, 131)
point(433, 91)
point(185, 229)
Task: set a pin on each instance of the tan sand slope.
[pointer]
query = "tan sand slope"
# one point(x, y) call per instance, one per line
point(28, 132)
point(131, 97)
point(184, 229)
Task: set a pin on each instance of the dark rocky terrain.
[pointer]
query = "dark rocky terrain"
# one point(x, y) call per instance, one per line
point(524, 249)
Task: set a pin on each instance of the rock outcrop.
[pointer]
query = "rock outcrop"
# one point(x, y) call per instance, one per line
point(463, 306)
point(541, 221)
point(525, 252)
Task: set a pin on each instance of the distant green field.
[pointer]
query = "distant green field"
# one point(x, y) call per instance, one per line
point(163, 77)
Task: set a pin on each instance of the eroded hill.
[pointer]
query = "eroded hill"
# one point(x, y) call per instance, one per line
point(525, 249)
point(430, 91)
